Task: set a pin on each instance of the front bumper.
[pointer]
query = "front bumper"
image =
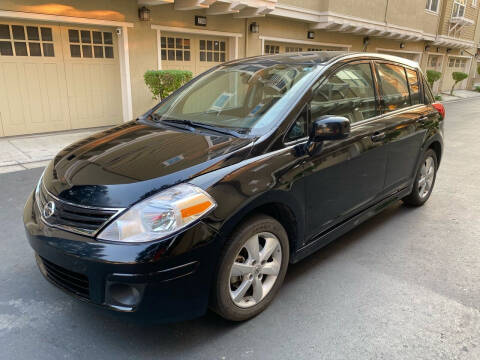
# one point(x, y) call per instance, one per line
point(170, 279)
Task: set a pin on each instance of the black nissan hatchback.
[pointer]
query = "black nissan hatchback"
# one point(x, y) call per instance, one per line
point(205, 200)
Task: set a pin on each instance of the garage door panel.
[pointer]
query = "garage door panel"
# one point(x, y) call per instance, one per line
point(12, 105)
point(57, 89)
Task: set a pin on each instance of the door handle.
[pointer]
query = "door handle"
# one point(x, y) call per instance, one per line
point(378, 136)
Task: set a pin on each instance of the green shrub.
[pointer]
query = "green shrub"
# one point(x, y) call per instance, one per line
point(477, 88)
point(457, 77)
point(433, 76)
point(478, 69)
point(163, 82)
point(438, 97)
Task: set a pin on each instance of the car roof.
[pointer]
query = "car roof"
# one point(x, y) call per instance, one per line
point(319, 58)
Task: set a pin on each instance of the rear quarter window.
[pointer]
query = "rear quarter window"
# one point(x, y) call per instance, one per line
point(394, 87)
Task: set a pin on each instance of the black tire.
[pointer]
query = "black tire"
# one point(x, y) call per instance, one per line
point(221, 302)
point(415, 198)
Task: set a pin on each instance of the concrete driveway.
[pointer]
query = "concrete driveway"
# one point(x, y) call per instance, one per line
point(404, 285)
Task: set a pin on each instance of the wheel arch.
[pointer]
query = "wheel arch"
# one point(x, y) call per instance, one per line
point(276, 204)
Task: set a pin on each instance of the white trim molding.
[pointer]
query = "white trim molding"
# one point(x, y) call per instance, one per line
point(185, 30)
point(124, 58)
point(452, 42)
point(331, 21)
point(233, 45)
point(303, 42)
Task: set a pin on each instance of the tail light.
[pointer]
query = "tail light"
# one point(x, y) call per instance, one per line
point(440, 108)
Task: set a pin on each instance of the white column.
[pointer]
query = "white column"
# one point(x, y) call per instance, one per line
point(125, 74)
point(159, 49)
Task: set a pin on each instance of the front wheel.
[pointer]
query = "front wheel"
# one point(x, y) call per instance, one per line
point(424, 180)
point(252, 269)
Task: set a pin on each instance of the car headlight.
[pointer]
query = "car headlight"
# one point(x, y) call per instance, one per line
point(160, 215)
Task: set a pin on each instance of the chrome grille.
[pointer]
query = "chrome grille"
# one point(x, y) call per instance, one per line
point(80, 219)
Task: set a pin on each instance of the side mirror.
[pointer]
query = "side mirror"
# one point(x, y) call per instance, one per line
point(329, 127)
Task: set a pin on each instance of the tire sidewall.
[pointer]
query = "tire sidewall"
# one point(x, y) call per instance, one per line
point(415, 192)
point(223, 304)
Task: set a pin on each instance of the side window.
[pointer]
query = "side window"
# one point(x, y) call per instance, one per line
point(413, 83)
point(394, 88)
point(427, 92)
point(349, 92)
point(298, 130)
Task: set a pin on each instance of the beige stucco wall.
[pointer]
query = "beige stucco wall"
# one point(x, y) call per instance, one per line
point(142, 39)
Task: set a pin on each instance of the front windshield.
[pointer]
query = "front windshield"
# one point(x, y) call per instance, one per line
point(234, 96)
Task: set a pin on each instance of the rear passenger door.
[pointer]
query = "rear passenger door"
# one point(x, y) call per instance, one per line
point(403, 110)
point(346, 175)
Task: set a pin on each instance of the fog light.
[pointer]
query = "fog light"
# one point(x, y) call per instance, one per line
point(124, 295)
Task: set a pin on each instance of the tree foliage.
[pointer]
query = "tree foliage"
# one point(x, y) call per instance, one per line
point(457, 77)
point(163, 82)
point(433, 76)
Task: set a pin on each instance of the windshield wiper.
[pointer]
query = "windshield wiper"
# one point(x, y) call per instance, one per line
point(194, 124)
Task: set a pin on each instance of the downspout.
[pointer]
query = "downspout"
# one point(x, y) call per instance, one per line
point(246, 37)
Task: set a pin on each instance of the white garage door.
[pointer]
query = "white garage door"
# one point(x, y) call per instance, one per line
point(57, 78)
point(454, 64)
point(196, 53)
point(274, 47)
point(435, 62)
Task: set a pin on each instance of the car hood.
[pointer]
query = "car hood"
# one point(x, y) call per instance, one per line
point(122, 165)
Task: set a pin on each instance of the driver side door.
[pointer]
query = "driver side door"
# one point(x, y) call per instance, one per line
point(347, 175)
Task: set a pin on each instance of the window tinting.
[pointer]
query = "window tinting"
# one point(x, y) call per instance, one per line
point(298, 130)
point(175, 48)
point(86, 38)
point(394, 88)
point(107, 38)
point(18, 32)
point(73, 36)
point(215, 50)
point(48, 50)
point(34, 49)
point(412, 77)
point(32, 33)
point(349, 93)
point(97, 37)
point(4, 32)
point(26, 41)
point(6, 48)
point(46, 34)
point(21, 48)
point(101, 49)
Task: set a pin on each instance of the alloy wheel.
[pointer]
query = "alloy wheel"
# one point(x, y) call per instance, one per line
point(427, 175)
point(255, 269)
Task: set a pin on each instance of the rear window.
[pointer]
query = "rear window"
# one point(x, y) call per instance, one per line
point(394, 88)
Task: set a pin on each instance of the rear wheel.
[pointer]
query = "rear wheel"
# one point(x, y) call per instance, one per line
point(252, 269)
point(424, 181)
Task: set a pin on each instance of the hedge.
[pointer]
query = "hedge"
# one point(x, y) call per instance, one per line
point(163, 82)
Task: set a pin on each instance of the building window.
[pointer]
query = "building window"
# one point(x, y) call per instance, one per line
point(90, 44)
point(212, 50)
point(175, 48)
point(314, 49)
point(459, 8)
point(272, 49)
point(293, 49)
point(432, 5)
point(19, 40)
point(474, 3)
